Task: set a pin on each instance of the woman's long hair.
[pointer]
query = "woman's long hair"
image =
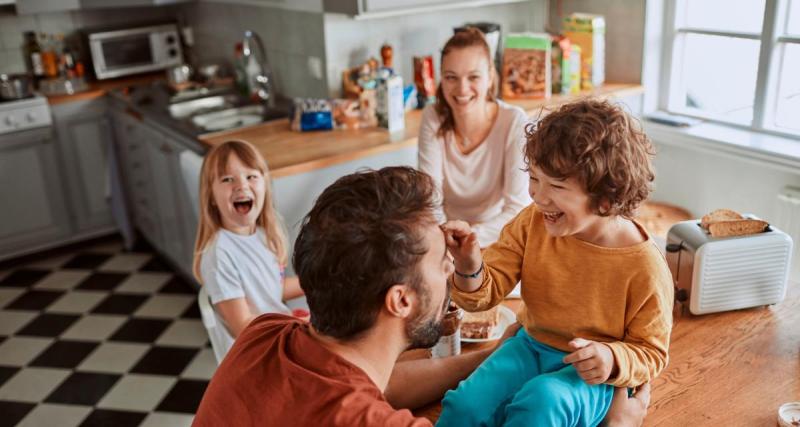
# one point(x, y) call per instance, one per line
point(471, 37)
point(214, 166)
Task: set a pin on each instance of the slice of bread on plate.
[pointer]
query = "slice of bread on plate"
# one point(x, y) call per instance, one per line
point(479, 325)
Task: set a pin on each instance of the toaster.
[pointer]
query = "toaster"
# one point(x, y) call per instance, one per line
point(713, 274)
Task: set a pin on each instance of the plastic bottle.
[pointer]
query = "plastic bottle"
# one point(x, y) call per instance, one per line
point(33, 55)
point(239, 69)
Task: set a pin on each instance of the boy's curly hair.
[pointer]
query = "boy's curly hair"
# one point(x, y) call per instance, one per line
point(600, 145)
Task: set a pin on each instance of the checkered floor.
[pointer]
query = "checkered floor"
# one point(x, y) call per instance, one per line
point(100, 337)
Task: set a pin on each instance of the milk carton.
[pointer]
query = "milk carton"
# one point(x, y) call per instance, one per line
point(588, 32)
point(389, 100)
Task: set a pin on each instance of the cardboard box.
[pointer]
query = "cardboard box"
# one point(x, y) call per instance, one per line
point(526, 70)
point(589, 32)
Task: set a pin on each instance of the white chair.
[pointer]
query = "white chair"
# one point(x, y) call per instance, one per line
point(210, 322)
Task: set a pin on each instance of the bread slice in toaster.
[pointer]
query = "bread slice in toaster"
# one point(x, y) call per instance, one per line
point(738, 227)
point(719, 215)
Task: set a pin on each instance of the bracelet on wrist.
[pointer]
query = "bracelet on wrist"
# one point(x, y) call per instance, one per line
point(474, 275)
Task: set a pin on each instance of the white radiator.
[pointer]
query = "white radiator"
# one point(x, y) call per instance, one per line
point(788, 220)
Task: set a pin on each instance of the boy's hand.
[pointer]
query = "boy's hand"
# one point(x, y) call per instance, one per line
point(593, 360)
point(463, 245)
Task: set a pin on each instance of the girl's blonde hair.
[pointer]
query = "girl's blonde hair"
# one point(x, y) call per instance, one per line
point(471, 37)
point(214, 166)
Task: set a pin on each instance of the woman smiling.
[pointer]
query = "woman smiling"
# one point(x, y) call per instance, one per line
point(471, 143)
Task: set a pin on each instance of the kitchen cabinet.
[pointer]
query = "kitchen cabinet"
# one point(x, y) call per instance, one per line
point(159, 205)
point(362, 9)
point(40, 6)
point(164, 169)
point(84, 138)
point(34, 212)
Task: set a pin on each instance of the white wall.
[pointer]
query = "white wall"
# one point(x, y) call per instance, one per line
point(349, 42)
point(624, 33)
point(291, 38)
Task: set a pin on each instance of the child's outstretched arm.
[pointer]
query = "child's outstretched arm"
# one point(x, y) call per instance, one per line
point(465, 249)
point(236, 314)
point(291, 288)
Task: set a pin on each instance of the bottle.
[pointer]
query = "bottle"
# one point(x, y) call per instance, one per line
point(239, 70)
point(49, 60)
point(386, 55)
point(33, 55)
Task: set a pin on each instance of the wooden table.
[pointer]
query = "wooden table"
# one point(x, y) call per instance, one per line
point(728, 369)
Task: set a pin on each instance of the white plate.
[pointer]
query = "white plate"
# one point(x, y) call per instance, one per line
point(507, 317)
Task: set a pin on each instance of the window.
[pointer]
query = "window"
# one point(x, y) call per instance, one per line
point(735, 62)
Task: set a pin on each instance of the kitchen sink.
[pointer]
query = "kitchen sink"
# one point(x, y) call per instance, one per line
point(182, 110)
point(231, 118)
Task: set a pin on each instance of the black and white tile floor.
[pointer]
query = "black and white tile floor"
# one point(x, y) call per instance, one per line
point(100, 337)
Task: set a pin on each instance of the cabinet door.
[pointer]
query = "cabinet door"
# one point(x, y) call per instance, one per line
point(84, 136)
point(163, 163)
point(33, 213)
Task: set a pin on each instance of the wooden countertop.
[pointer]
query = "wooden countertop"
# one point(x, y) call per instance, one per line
point(101, 88)
point(733, 368)
point(288, 152)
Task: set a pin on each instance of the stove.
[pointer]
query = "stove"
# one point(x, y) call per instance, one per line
point(24, 114)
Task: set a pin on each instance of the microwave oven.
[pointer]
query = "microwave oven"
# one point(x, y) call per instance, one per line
point(129, 51)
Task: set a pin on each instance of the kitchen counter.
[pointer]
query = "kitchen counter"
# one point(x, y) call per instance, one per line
point(289, 153)
point(98, 89)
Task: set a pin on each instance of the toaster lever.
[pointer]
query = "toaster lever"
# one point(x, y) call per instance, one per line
point(674, 247)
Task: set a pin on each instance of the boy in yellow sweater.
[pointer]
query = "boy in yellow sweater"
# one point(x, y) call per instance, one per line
point(598, 293)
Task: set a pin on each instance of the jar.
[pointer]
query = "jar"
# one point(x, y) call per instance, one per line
point(450, 342)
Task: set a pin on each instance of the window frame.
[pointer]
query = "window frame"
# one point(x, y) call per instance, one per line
point(772, 41)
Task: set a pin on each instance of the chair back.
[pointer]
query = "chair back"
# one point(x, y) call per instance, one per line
point(210, 323)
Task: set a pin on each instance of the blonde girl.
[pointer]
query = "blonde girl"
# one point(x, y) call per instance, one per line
point(240, 251)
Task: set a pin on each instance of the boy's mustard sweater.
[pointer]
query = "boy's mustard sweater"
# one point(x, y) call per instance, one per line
point(571, 288)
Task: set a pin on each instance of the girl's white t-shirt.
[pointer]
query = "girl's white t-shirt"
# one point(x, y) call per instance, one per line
point(235, 266)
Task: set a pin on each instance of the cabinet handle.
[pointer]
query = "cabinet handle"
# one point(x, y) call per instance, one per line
point(166, 149)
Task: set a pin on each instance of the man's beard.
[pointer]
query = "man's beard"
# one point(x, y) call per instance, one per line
point(422, 332)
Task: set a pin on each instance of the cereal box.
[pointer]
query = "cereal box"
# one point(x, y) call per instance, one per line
point(526, 66)
point(588, 32)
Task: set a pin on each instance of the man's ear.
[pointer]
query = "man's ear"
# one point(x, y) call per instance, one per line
point(400, 300)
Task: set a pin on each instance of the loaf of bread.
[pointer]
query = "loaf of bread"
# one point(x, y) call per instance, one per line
point(727, 223)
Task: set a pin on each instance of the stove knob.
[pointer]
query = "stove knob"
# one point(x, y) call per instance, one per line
point(12, 121)
point(30, 117)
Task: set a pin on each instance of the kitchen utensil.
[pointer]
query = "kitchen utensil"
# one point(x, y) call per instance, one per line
point(179, 75)
point(15, 86)
point(209, 72)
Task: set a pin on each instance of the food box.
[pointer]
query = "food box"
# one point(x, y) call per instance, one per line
point(588, 31)
point(526, 66)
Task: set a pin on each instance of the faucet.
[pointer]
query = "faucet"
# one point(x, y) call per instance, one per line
point(259, 75)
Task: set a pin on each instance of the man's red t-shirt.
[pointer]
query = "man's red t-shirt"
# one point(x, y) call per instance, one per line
point(277, 374)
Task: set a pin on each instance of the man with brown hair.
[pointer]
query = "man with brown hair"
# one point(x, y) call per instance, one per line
point(373, 263)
